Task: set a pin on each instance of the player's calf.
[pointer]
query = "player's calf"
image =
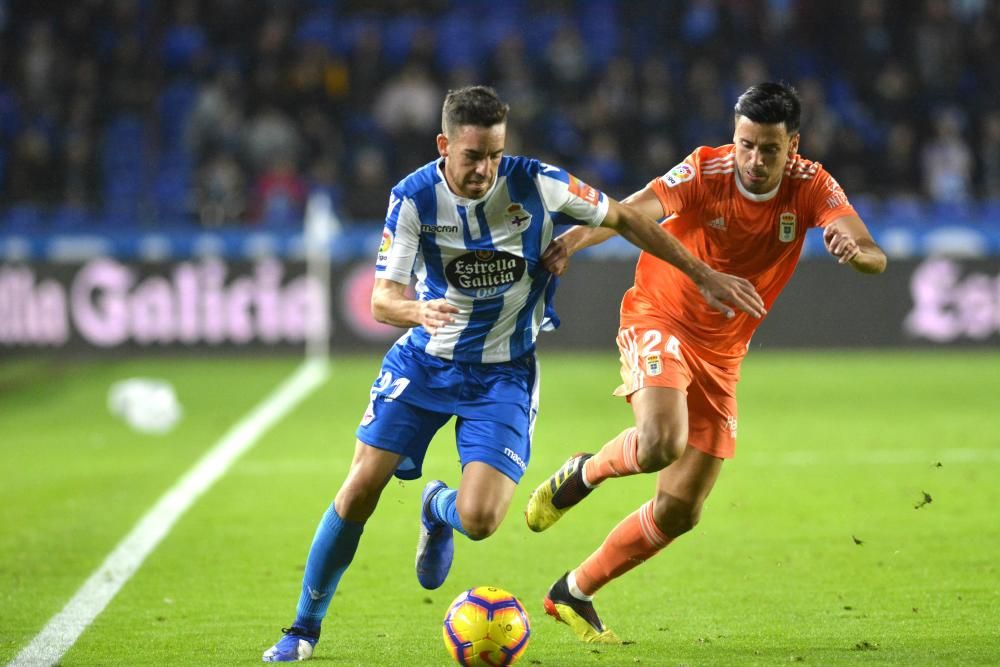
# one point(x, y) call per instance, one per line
point(674, 516)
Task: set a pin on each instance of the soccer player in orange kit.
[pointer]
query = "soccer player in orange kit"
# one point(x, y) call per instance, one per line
point(744, 209)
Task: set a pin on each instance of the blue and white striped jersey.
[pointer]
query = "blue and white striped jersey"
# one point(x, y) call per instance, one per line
point(482, 255)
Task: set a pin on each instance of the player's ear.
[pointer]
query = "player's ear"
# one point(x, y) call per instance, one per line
point(793, 145)
point(442, 144)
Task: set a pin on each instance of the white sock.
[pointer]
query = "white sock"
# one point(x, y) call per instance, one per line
point(574, 590)
point(583, 476)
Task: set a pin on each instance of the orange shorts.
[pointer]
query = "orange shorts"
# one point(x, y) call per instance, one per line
point(653, 357)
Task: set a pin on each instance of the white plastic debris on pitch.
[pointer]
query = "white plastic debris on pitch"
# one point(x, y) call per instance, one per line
point(148, 405)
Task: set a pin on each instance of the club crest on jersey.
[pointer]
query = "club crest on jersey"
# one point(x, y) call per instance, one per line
point(654, 365)
point(383, 249)
point(786, 227)
point(517, 218)
point(679, 174)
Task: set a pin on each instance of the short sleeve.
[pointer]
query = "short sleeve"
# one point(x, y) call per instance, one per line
point(576, 201)
point(400, 240)
point(827, 199)
point(677, 189)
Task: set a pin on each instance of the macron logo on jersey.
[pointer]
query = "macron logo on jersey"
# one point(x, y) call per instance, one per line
point(439, 229)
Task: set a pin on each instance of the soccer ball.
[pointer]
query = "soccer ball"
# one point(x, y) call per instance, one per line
point(486, 626)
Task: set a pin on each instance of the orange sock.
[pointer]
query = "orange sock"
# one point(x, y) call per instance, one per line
point(617, 458)
point(632, 542)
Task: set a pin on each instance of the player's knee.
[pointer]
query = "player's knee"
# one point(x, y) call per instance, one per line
point(479, 523)
point(659, 445)
point(674, 516)
point(356, 502)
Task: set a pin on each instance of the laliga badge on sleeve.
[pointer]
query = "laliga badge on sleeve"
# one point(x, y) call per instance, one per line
point(679, 174)
point(383, 248)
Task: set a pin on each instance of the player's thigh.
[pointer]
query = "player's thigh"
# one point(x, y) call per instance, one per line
point(498, 437)
point(370, 471)
point(655, 377)
point(690, 478)
point(395, 425)
point(371, 465)
point(713, 408)
point(661, 415)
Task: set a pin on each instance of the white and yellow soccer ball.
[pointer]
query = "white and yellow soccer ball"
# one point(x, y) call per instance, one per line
point(486, 626)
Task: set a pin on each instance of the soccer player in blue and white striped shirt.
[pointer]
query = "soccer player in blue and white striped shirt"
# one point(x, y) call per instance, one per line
point(472, 228)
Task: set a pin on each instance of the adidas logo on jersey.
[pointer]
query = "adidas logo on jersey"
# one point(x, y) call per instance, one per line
point(717, 223)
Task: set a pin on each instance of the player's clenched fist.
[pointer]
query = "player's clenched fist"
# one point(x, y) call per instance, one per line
point(839, 244)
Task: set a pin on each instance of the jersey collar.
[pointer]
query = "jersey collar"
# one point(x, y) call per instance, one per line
point(751, 196)
point(459, 199)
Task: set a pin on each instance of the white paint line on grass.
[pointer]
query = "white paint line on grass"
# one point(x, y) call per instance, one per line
point(65, 628)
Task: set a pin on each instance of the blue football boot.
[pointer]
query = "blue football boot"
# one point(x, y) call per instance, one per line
point(436, 545)
point(297, 644)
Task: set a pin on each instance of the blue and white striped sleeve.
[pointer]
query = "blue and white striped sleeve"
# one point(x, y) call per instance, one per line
point(566, 194)
point(400, 240)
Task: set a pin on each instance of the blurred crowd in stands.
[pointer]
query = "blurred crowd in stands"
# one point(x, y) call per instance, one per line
point(230, 112)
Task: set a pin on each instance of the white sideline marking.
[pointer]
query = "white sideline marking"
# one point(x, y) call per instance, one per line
point(65, 628)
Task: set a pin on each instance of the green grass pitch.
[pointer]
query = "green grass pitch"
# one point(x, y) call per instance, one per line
point(857, 524)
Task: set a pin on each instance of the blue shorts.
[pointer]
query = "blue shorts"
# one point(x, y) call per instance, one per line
point(416, 393)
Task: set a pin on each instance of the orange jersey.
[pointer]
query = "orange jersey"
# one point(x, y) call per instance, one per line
point(757, 237)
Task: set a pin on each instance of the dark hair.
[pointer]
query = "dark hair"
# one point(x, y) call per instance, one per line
point(771, 103)
point(472, 105)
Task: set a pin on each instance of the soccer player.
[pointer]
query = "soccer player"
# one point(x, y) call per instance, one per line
point(743, 208)
point(472, 227)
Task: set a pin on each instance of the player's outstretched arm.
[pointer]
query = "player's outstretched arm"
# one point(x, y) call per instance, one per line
point(557, 254)
point(391, 305)
point(720, 290)
point(848, 239)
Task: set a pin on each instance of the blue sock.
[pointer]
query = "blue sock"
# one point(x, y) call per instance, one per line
point(332, 550)
point(443, 509)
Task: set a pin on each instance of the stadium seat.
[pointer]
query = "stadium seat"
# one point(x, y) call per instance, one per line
point(867, 206)
point(124, 144)
point(23, 219)
point(398, 37)
point(989, 211)
point(182, 45)
point(903, 210)
point(600, 31)
point(953, 212)
point(72, 218)
point(539, 31)
point(454, 48)
point(175, 105)
point(319, 27)
point(171, 195)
